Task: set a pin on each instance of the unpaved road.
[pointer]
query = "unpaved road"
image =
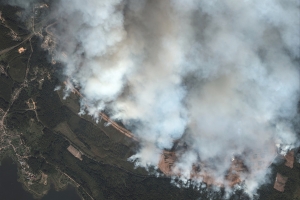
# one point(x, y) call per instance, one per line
point(11, 48)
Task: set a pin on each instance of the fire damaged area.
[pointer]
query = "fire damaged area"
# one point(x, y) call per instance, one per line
point(234, 175)
point(152, 99)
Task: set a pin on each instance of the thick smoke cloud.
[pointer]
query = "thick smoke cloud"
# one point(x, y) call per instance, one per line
point(221, 76)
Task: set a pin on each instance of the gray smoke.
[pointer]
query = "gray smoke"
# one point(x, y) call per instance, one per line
point(222, 76)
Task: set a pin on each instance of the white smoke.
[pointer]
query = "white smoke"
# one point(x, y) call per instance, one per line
point(221, 76)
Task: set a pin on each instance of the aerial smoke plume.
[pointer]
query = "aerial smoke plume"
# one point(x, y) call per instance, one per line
point(220, 76)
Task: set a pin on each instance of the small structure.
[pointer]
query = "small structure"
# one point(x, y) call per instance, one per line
point(289, 157)
point(21, 50)
point(75, 152)
point(280, 182)
point(44, 179)
point(31, 104)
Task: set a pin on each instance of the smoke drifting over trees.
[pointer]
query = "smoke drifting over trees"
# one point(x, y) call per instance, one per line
point(222, 76)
